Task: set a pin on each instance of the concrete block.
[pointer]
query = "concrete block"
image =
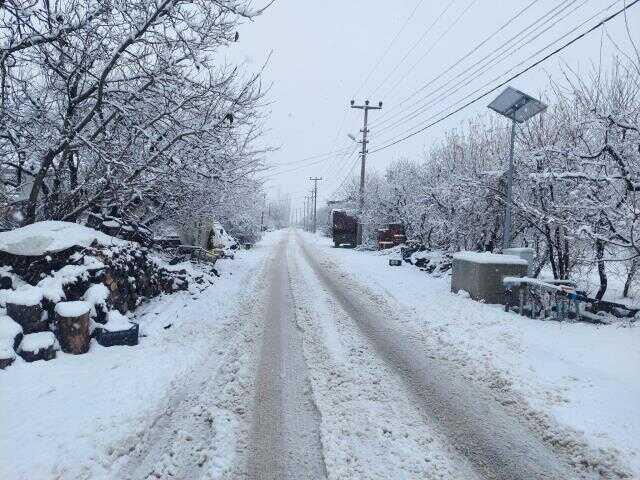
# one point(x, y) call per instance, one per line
point(481, 274)
point(524, 253)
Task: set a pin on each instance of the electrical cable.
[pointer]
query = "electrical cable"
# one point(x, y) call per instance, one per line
point(429, 50)
point(388, 49)
point(533, 55)
point(414, 46)
point(499, 58)
point(502, 84)
point(385, 117)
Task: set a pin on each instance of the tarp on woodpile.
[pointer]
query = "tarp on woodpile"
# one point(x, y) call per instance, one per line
point(46, 237)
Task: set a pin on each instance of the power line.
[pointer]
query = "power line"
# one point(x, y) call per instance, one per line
point(345, 165)
point(431, 47)
point(513, 77)
point(312, 157)
point(320, 158)
point(388, 49)
point(349, 172)
point(384, 118)
point(414, 46)
point(533, 55)
point(499, 58)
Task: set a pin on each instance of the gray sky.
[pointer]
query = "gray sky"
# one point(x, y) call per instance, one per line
point(324, 50)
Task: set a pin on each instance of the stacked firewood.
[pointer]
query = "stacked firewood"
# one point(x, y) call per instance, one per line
point(60, 300)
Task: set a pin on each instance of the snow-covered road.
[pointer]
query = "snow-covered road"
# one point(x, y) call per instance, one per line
point(317, 366)
point(384, 403)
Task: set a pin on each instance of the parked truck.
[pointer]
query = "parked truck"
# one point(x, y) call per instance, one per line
point(344, 228)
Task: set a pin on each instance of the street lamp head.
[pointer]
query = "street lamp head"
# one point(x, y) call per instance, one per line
point(380, 104)
point(516, 105)
point(366, 102)
point(353, 102)
point(351, 136)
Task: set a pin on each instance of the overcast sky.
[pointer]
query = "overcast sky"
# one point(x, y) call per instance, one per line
point(323, 51)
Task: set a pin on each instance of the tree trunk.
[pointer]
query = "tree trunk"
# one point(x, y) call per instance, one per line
point(630, 275)
point(601, 269)
point(72, 325)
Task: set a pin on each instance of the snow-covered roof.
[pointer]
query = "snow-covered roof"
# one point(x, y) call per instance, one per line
point(487, 257)
point(49, 237)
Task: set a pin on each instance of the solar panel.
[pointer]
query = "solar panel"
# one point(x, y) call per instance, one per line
point(517, 105)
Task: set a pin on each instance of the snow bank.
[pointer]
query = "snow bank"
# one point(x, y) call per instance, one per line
point(45, 404)
point(49, 237)
point(578, 382)
point(487, 257)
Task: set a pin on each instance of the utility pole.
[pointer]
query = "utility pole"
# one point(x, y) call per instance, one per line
point(363, 156)
point(262, 214)
point(315, 200)
point(304, 217)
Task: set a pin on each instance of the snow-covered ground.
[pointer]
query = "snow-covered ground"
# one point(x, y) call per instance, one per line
point(181, 404)
point(578, 383)
point(65, 418)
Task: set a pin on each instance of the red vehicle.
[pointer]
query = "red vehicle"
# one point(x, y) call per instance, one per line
point(391, 236)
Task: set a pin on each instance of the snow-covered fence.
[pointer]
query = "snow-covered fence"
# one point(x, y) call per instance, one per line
point(559, 300)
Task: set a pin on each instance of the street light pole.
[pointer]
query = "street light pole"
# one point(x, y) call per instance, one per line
point(506, 241)
point(517, 107)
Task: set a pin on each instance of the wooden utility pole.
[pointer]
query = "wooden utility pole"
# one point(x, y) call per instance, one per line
point(304, 217)
point(315, 200)
point(363, 157)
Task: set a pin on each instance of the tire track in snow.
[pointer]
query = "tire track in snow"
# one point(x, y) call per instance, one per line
point(497, 444)
point(285, 435)
point(203, 430)
point(370, 425)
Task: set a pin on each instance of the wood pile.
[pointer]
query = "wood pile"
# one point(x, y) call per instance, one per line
point(62, 299)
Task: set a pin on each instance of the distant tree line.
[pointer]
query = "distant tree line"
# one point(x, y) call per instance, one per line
point(577, 181)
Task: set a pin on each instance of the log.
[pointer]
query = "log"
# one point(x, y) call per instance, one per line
point(7, 355)
point(128, 336)
point(24, 306)
point(38, 346)
point(6, 282)
point(117, 331)
point(10, 331)
point(72, 326)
